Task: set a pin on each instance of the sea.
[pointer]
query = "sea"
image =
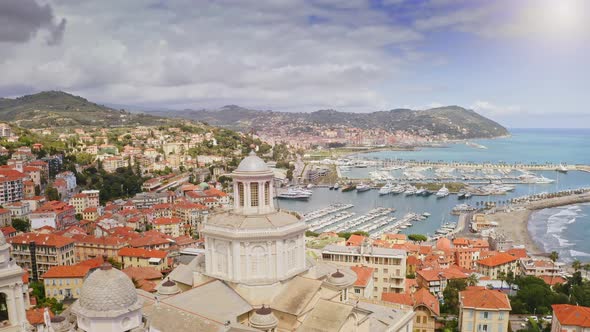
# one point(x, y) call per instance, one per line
point(562, 229)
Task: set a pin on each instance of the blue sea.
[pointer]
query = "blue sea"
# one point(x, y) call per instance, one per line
point(563, 229)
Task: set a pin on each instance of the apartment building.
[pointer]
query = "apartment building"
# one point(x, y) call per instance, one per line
point(570, 318)
point(174, 227)
point(64, 282)
point(40, 252)
point(482, 309)
point(93, 197)
point(5, 217)
point(496, 265)
point(79, 202)
point(11, 186)
point(56, 214)
point(540, 267)
point(389, 265)
point(138, 257)
point(89, 246)
point(436, 280)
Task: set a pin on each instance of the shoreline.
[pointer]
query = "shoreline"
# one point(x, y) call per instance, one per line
point(514, 224)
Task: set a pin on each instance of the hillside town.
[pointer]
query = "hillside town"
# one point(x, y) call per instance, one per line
point(158, 229)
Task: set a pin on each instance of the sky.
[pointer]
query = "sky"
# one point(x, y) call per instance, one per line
point(523, 63)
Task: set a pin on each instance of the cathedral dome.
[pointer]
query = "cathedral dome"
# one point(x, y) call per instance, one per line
point(107, 292)
point(340, 280)
point(252, 163)
point(263, 319)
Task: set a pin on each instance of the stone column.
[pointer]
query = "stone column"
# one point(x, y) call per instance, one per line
point(261, 203)
point(280, 267)
point(237, 268)
point(10, 305)
point(247, 201)
point(20, 305)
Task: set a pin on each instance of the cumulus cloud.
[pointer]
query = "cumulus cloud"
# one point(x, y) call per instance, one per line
point(20, 20)
point(182, 53)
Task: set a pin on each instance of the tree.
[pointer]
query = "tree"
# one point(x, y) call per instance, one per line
point(577, 265)
point(554, 256)
point(417, 237)
point(311, 234)
point(116, 264)
point(472, 280)
point(51, 193)
point(451, 296)
point(21, 225)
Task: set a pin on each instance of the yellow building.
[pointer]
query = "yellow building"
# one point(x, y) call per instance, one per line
point(64, 282)
point(497, 265)
point(138, 257)
point(482, 309)
point(174, 226)
point(89, 246)
point(79, 202)
point(48, 250)
point(90, 213)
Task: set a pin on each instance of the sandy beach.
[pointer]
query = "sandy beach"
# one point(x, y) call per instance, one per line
point(514, 224)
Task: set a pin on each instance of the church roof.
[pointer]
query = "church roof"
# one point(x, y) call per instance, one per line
point(295, 295)
point(326, 316)
point(252, 163)
point(105, 293)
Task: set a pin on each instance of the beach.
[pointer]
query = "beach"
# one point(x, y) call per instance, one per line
point(514, 224)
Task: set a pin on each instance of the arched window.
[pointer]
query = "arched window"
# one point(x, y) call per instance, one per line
point(221, 258)
point(258, 265)
point(291, 255)
point(267, 193)
point(254, 194)
point(241, 192)
point(3, 308)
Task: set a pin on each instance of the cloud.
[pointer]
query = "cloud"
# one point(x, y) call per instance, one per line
point(491, 109)
point(184, 54)
point(20, 20)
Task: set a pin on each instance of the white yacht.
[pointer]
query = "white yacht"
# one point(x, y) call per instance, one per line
point(410, 190)
point(386, 189)
point(561, 168)
point(443, 192)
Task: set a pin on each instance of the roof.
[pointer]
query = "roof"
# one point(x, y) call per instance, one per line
point(167, 221)
point(295, 295)
point(142, 253)
point(518, 252)
point(482, 298)
point(572, 315)
point(49, 240)
point(436, 274)
point(65, 271)
point(326, 316)
point(363, 275)
point(355, 240)
point(142, 273)
point(401, 298)
point(35, 316)
point(252, 163)
point(496, 260)
point(553, 280)
point(421, 297)
point(460, 241)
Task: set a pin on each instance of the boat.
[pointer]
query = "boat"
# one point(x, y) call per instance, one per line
point(561, 168)
point(398, 190)
point(462, 194)
point(310, 186)
point(468, 195)
point(421, 192)
point(442, 192)
point(331, 187)
point(410, 190)
point(362, 187)
point(295, 193)
point(461, 208)
point(386, 189)
point(426, 214)
point(348, 188)
point(336, 186)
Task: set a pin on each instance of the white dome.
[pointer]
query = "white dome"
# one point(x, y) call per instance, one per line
point(107, 292)
point(264, 319)
point(252, 163)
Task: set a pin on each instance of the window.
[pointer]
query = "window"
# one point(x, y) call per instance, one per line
point(241, 193)
point(258, 263)
point(357, 290)
point(267, 193)
point(500, 315)
point(254, 194)
point(485, 315)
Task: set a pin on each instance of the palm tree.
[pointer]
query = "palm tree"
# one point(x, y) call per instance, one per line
point(472, 279)
point(554, 256)
point(577, 265)
point(502, 277)
point(586, 268)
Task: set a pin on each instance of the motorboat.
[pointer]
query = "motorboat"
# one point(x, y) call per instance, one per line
point(442, 192)
point(362, 187)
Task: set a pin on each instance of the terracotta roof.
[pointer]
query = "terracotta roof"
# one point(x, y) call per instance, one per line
point(50, 240)
point(189, 205)
point(167, 221)
point(147, 241)
point(363, 275)
point(355, 240)
point(142, 253)
point(396, 236)
point(518, 252)
point(484, 298)
point(553, 280)
point(103, 241)
point(401, 298)
point(572, 315)
point(53, 206)
point(425, 298)
point(7, 230)
point(412, 260)
point(142, 273)
point(3, 211)
point(65, 271)
point(479, 243)
point(93, 263)
point(496, 260)
point(436, 274)
point(89, 210)
point(460, 241)
point(35, 315)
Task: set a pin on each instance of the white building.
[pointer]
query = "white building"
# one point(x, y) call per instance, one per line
point(13, 294)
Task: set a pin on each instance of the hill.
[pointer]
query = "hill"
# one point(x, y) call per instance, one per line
point(454, 121)
point(60, 109)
